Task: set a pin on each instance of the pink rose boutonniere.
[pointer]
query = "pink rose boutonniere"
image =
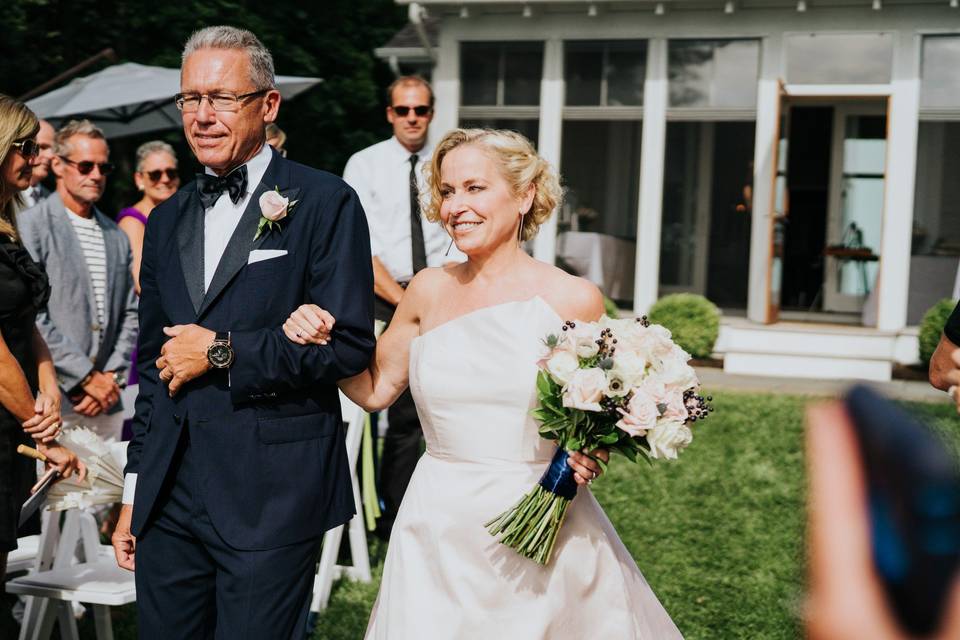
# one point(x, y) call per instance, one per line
point(273, 208)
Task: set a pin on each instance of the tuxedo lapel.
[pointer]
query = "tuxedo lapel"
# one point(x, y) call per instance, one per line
point(242, 242)
point(190, 241)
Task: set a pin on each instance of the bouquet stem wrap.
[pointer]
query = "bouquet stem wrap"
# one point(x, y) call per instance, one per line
point(530, 527)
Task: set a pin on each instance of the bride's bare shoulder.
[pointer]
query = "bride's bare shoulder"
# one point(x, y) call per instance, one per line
point(430, 284)
point(573, 297)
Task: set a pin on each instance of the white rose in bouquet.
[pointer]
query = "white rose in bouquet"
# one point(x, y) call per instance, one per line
point(653, 342)
point(561, 365)
point(675, 409)
point(641, 414)
point(584, 337)
point(673, 370)
point(585, 390)
point(629, 366)
point(668, 438)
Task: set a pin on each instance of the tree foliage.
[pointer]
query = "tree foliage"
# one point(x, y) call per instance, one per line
point(333, 40)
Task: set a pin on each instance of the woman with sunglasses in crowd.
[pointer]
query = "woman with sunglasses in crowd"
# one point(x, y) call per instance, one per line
point(157, 179)
point(29, 395)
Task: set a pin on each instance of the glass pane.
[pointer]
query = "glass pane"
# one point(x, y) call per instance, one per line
point(713, 73)
point(626, 72)
point(707, 209)
point(834, 58)
point(522, 72)
point(940, 83)
point(600, 165)
point(527, 128)
point(678, 231)
point(864, 157)
point(582, 72)
point(936, 218)
point(479, 68)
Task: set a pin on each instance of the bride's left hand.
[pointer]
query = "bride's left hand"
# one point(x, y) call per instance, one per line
point(309, 324)
point(585, 468)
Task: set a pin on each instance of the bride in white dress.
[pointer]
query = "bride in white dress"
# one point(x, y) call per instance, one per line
point(466, 339)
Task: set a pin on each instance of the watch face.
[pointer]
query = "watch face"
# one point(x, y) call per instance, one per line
point(220, 355)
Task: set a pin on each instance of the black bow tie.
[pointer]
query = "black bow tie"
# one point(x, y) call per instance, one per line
point(210, 187)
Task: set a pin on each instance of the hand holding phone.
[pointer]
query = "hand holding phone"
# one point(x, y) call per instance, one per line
point(848, 598)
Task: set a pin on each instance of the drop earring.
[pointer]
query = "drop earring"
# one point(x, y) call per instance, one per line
point(520, 230)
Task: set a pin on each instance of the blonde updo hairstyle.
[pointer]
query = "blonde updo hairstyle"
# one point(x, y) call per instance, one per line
point(519, 164)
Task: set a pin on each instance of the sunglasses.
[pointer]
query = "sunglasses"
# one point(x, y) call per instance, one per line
point(420, 110)
point(156, 174)
point(29, 148)
point(86, 166)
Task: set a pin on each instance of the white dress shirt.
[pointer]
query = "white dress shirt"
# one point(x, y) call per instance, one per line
point(222, 218)
point(380, 174)
point(219, 223)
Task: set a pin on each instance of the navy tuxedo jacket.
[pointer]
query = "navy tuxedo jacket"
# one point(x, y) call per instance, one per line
point(268, 430)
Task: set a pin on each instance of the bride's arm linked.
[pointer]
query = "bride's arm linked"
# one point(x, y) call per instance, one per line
point(386, 377)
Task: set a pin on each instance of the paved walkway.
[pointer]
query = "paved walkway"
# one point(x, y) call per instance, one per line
point(716, 380)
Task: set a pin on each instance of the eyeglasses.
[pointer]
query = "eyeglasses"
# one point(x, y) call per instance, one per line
point(225, 101)
point(28, 148)
point(420, 110)
point(86, 166)
point(156, 174)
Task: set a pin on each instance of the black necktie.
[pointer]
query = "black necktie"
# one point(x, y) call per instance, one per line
point(210, 187)
point(419, 251)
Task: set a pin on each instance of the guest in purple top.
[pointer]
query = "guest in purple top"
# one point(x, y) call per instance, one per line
point(157, 179)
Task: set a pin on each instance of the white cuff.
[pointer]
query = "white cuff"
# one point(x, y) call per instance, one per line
point(129, 487)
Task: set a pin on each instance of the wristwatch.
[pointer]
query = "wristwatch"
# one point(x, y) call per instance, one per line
point(220, 353)
point(120, 379)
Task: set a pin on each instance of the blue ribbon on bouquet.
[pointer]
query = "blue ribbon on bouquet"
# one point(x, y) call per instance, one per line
point(558, 478)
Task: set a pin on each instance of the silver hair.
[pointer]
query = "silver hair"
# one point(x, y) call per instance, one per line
point(147, 149)
point(225, 37)
point(74, 128)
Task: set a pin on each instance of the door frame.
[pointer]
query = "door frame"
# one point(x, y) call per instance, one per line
point(788, 95)
point(833, 300)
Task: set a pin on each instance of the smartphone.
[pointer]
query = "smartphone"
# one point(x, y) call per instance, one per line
point(913, 486)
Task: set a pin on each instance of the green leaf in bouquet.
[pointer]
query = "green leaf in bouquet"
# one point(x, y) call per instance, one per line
point(544, 384)
point(608, 439)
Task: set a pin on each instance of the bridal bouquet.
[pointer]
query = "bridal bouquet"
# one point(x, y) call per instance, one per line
point(620, 384)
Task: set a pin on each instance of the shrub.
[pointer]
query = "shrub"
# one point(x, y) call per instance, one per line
point(693, 320)
point(932, 326)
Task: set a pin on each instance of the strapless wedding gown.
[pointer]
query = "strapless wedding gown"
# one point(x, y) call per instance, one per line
point(445, 577)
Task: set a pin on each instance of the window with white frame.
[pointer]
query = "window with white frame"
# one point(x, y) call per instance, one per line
point(500, 85)
point(713, 73)
point(936, 209)
point(600, 161)
point(708, 169)
point(839, 58)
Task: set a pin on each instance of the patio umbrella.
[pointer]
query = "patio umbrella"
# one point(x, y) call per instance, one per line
point(130, 98)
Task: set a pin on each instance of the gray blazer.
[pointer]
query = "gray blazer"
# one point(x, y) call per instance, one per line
point(69, 324)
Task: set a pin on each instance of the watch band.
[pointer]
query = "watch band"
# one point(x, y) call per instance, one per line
point(222, 336)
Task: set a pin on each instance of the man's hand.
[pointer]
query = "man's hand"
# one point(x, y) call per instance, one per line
point(104, 389)
point(88, 406)
point(124, 542)
point(184, 356)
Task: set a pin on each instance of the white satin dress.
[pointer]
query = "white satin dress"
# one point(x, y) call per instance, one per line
point(445, 577)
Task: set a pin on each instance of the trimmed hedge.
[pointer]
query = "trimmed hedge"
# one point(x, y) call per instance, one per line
point(932, 326)
point(693, 320)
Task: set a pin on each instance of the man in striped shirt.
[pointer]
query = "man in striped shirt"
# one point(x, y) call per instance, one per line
point(90, 323)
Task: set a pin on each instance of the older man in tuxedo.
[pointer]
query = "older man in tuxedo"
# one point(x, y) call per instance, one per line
point(237, 465)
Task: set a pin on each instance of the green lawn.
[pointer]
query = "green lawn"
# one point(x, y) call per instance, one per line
point(719, 535)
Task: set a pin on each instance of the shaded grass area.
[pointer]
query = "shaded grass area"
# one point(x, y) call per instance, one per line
point(718, 535)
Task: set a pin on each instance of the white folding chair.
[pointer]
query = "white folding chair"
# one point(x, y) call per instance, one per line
point(25, 555)
point(328, 570)
point(96, 580)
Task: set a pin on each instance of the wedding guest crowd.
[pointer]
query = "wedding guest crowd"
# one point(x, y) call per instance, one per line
point(90, 322)
point(388, 177)
point(29, 394)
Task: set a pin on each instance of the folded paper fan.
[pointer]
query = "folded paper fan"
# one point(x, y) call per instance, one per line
point(104, 481)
